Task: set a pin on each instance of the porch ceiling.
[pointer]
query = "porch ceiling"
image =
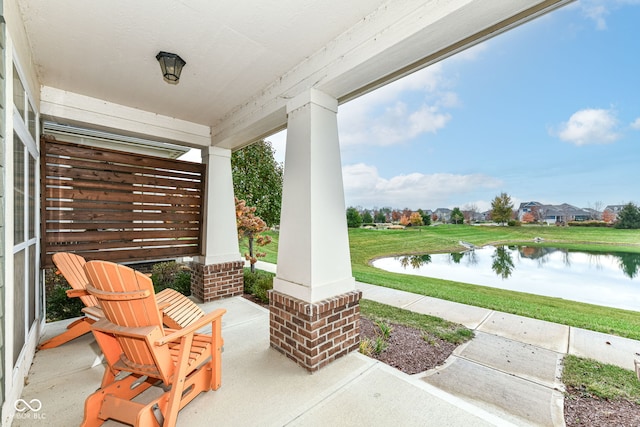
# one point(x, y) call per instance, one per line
point(245, 59)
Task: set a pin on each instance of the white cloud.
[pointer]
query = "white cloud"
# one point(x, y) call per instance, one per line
point(380, 118)
point(598, 10)
point(636, 124)
point(364, 187)
point(590, 126)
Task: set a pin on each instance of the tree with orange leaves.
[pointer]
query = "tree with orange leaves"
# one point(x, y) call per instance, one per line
point(608, 216)
point(415, 219)
point(250, 226)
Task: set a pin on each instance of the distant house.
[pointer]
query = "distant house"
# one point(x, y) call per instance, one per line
point(594, 214)
point(427, 212)
point(444, 214)
point(561, 214)
point(554, 214)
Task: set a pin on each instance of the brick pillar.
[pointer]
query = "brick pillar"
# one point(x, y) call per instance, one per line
point(315, 334)
point(216, 281)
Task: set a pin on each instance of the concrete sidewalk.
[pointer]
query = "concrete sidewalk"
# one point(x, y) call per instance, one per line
point(507, 375)
point(513, 366)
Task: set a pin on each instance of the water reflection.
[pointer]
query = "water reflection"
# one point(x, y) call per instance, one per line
point(502, 262)
point(415, 261)
point(629, 264)
point(610, 279)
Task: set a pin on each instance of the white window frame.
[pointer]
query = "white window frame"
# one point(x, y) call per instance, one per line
point(21, 129)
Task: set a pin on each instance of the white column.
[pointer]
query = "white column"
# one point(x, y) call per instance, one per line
point(220, 237)
point(313, 250)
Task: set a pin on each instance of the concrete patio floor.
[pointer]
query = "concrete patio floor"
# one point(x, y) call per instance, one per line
point(507, 375)
point(260, 386)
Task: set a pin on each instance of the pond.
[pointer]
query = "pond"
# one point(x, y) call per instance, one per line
point(607, 279)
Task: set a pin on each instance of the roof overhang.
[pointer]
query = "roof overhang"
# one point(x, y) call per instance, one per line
point(96, 60)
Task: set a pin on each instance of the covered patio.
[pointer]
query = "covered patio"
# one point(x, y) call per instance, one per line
point(251, 70)
point(260, 387)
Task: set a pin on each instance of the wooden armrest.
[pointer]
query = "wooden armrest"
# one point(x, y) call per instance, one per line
point(74, 293)
point(93, 312)
point(203, 321)
point(162, 306)
point(103, 325)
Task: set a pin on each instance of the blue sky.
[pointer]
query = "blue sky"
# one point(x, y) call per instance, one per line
point(549, 111)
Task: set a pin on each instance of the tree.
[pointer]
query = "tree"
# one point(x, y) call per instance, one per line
point(528, 217)
point(426, 218)
point(608, 216)
point(257, 179)
point(354, 220)
point(250, 226)
point(457, 217)
point(415, 219)
point(628, 217)
point(380, 217)
point(501, 208)
point(470, 212)
point(596, 210)
point(367, 218)
point(386, 211)
point(539, 213)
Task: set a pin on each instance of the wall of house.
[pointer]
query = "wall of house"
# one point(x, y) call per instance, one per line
point(2, 204)
point(16, 359)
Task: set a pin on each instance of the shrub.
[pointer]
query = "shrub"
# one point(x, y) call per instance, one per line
point(258, 284)
point(588, 224)
point(171, 275)
point(59, 306)
point(514, 223)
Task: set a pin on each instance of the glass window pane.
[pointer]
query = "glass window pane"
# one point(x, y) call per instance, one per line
point(18, 190)
point(32, 197)
point(32, 284)
point(18, 93)
point(31, 124)
point(18, 304)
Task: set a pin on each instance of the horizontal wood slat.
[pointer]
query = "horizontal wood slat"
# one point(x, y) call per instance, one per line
point(116, 206)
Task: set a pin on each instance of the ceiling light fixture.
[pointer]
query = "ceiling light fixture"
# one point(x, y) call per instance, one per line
point(171, 65)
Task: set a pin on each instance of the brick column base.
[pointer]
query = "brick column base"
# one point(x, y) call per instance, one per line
point(216, 281)
point(315, 334)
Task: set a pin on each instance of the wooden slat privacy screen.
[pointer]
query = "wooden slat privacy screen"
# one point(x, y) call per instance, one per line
point(116, 206)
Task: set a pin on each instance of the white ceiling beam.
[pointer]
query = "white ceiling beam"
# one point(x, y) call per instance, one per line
point(84, 111)
point(396, 40)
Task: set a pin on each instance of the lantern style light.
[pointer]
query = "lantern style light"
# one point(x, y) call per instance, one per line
point(171, 65)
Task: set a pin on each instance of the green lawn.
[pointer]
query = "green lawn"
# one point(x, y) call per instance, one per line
point(367, 245)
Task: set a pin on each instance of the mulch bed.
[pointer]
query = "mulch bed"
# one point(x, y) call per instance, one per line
point(581, 409)
point(407, 348)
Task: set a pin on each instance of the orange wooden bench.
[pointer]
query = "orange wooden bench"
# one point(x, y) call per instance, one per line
point(177, 310)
